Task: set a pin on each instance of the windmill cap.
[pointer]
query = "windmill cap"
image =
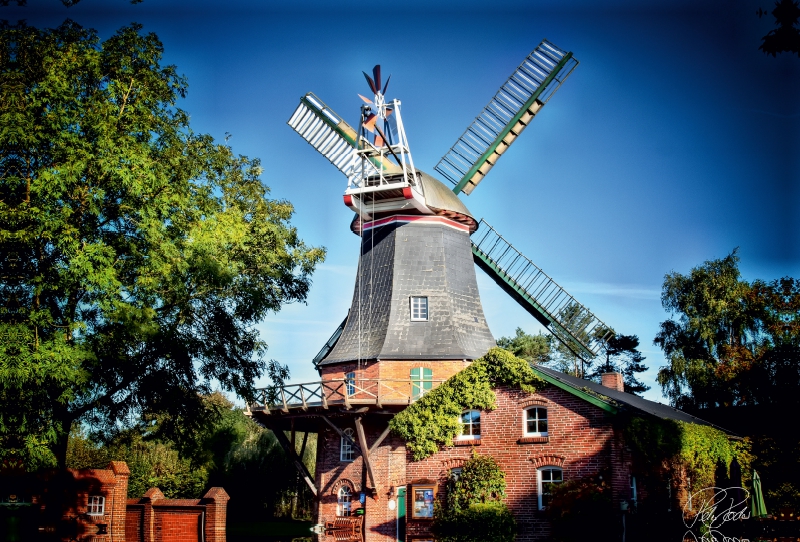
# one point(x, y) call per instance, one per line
point(441, 200)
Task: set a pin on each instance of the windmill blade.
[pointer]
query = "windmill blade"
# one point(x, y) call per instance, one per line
point(333, 138)
point(508, 113)
point(569, 321)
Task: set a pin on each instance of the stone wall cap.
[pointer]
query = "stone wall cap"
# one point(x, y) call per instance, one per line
point(153, 494)
point(119, 467)
point(217, 494)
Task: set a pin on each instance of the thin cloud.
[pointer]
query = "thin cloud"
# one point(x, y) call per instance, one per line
point(629, 291)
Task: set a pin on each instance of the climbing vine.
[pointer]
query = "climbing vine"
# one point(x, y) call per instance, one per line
point(698, 450)
point(433, 421)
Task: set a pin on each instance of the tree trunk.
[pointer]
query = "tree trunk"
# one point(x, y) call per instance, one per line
point(61, 444)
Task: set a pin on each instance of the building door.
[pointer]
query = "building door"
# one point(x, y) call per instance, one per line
point(401, 514)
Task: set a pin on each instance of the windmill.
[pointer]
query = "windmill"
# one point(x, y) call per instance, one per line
point(384, 187)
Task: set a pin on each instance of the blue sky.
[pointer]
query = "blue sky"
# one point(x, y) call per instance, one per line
point(674, 141)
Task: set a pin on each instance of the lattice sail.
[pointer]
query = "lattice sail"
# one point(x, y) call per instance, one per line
point(332, 137)
point(508, 113)
point(571, 323)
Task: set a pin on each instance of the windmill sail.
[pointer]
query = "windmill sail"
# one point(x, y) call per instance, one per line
point(508, 113)
point(572, 323)
point(334, 138)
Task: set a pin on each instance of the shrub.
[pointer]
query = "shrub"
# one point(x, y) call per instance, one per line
point(480, 522)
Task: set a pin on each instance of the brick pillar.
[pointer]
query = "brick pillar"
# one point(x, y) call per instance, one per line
point(119, 500)
point(148, 522)
point(216, 503)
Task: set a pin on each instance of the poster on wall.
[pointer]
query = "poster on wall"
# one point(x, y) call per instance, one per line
point(423, 502)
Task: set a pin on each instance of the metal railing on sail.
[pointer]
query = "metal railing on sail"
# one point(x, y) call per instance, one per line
point(555, 303)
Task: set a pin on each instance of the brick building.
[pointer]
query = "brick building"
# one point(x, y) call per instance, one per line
point(91, 505)
point(568, 429)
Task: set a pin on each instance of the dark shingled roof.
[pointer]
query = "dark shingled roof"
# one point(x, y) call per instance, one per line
point(622, 399)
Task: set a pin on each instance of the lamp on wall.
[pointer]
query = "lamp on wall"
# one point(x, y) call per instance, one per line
point(391, 492)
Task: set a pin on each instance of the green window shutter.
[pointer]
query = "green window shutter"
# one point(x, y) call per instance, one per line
point(415, 383)
point(427, 379)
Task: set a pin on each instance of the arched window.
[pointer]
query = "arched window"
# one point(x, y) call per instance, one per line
point(346, 450)
point(547, 477)
point(470, 424)
point(343, 501)
point(535, 422)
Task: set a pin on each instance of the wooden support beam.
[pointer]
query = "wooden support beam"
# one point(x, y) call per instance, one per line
point(286, 445)
point(380, 439)
point(362, 439)
point(342, 433)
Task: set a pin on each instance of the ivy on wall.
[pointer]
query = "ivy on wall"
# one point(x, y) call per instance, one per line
point(697, 450)
point(433, 421)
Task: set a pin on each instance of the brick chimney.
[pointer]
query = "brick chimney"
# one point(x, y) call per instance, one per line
point(613, 381)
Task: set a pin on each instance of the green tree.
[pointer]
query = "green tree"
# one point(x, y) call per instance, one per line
point(534, 349)
point(137, 256)
point(731, 339)
point(622, 355)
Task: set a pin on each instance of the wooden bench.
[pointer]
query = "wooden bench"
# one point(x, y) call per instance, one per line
point(347, 524)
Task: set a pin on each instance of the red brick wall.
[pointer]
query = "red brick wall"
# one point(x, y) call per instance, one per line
point(69, 493)
point(156, 519)
point(177, 525)
point(134, 519)
point(581, 440)
point(396, 375)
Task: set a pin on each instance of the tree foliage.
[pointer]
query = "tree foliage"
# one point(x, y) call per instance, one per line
point(622, 355)
point(137, 255)
point(733, 342)
point(228, 450)
point(786, 37)
point(532, 348)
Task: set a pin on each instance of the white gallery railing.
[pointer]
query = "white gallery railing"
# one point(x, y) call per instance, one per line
point(343, 391)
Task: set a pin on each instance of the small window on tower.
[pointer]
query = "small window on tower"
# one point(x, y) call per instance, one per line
point(419, 308)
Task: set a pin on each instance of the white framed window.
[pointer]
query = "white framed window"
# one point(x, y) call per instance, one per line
point(470, 424)
point(535, 421)
point(346, 452)
point(343, 506)
point(547, 477)
point(350, 383)
point(96, 505)
point(419, 308)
